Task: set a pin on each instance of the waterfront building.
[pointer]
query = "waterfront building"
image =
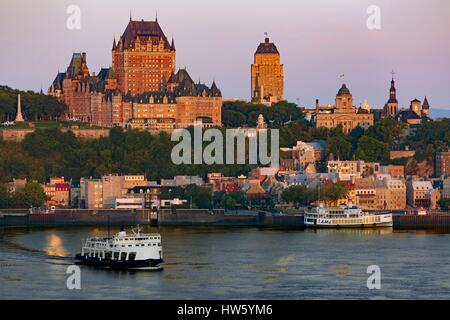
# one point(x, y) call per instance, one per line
point(443, 164)
point(390, 194)
point(91, 193)
point(349, 170)
point(57, 192)
point(131, 181)
point(343, 113)
point(421, 194)
point(267, 74)
point(141, 90)
point(365, 193)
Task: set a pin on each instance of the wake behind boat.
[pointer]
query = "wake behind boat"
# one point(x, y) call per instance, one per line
point(345, 217)
point(136, 251)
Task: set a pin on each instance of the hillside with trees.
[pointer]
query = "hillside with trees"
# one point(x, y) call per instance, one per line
point(35, 106)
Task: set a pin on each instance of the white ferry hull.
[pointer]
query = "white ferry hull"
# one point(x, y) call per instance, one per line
point(341, 226)
point(149, 264)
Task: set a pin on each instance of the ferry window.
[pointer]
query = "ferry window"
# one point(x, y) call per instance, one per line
point(116, 255)
point(132, 256)
point(123, 256)
point(108, 255)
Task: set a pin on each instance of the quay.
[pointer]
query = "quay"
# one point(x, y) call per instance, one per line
point(188, 217)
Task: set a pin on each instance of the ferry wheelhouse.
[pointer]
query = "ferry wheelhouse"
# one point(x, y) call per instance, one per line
point(123, 251)
point(345, 217)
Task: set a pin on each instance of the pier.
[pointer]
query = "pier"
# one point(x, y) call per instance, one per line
point(188, 217)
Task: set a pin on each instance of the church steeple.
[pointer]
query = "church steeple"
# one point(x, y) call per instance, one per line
point(393, 92)
point(391, 107)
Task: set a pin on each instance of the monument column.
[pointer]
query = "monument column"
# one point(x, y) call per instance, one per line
point(19, 117)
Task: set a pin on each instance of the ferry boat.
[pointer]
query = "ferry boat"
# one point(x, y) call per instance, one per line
point(345, 217)
point(135, 251)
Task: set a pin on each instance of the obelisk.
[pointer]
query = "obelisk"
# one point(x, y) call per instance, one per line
point(19, 117)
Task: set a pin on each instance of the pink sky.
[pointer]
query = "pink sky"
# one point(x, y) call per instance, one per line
point(216, 39)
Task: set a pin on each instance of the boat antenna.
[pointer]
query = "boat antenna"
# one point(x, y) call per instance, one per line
point(109, 226)
point(319, 189)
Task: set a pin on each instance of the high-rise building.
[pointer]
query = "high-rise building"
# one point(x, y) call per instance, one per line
point(267, 74)
point(143, 57)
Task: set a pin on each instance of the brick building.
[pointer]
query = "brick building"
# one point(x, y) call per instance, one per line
point(141, 89)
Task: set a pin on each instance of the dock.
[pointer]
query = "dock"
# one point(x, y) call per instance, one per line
point(188, 217)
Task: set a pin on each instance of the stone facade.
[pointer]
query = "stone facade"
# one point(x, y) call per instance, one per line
point(267, 74)
point(141, 89)
point(342, 113)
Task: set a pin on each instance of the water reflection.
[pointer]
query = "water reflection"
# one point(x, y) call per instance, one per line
point(55, 247)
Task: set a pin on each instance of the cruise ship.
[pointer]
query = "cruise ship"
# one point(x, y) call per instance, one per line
point(136, 251)
point(344, 217)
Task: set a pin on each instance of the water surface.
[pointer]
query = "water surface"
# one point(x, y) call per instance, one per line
point(235, 263)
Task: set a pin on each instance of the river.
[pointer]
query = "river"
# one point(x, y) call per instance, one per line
point(235, 263)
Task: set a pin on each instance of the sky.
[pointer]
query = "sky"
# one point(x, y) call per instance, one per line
point(216, 39)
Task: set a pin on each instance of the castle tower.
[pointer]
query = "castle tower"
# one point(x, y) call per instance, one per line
point(426, 108)
point(267, 74)
point(143, 57)
point(416, 106)
point(391, 106)
point(19, 117)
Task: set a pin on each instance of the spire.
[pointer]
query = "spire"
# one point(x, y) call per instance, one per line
point(173, 44)
point(131, 19)
point(114, 43)
point(393, 90)
point(425, 104)
point(156, 16)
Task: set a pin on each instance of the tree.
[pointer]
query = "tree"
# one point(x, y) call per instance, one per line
point(234, 200)
point(32, 195)
point(333, 191)
point(373, 150)
point(4, 197)
point(340, 146)
point(201, 197)
point(299, 195)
